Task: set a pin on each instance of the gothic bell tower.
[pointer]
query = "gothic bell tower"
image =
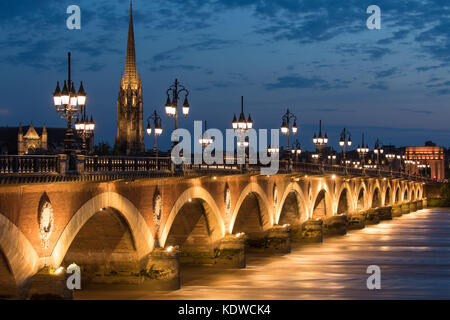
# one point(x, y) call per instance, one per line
point(130, 131)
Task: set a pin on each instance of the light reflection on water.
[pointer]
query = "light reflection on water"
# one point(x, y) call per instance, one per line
point(413, 252)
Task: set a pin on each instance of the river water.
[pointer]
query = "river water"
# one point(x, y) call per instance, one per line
point(413, 252)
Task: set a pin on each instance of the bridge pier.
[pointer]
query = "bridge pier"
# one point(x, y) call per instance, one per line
point(356, 221)
point(425, 203)
point(405, 208)
point(48, 284)
point(162, 270)
point(385, 213)
point(397, 210)
point(231, 252)
point(413, 206)
point(296, 233)
point(312, 231)
point(335, 226)
point(372, 216)
point(276, 240)
point(419, 204)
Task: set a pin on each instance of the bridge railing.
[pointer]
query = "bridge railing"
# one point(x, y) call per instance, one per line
point(29, 164)
point(93, 164)
point(149, 166)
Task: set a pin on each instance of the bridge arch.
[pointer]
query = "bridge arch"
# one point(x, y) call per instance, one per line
point(21, 258)
point(196, 195)
point(376, 198)
point(322, 205)
point(293, 193)
point(344, 200)
point(388, 197)
point(361, 197)
point(406, 195)
point(260, 199)
point(141, 234)
point(398, 196)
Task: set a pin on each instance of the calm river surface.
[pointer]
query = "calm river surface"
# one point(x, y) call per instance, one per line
point(413, 252)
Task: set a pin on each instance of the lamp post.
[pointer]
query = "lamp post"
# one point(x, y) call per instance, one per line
point(390, 157)
point(273, 150)
point(362, 151)
point(171, 107)
point(423, 168)
point(345, 140)
point(296, 150)
point(68, 104)
point(85, 129)
point(401, 159)
point(378, 150)
point(410, 166)
point(241, 126)
point(157, 128)
point(286, 129)
point(205, 141)
point(320, 141)
point(332, 158)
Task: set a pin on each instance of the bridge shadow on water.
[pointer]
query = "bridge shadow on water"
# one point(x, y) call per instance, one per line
point(413, 252)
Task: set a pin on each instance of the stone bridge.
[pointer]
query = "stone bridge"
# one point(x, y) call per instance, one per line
point(139, 231)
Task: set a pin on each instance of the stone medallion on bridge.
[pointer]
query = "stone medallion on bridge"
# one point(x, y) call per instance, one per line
point(227, 202)
point(157, 209)
point(275, 197)
point(46, 220)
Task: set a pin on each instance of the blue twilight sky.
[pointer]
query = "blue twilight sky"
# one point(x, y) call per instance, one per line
point(316, 57)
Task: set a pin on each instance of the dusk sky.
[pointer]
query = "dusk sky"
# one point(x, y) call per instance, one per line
point(316, 57)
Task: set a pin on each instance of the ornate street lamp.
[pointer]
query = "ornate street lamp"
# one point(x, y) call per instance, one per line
point(286, 129)
point(344, 141)
point(157, 130)
point(273, 150)
point(401, 159)
point(362, 151)
point(296, 150)
point(423, 168)
point(85, 129)
point(171, 107)
point(332, 158)
point(390, 158)
point(320, 141)
point(205, 140)
point(69, 104)
point(241, 126)
point(378, 150)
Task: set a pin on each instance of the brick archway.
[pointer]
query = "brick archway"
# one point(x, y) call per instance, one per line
point(388, 196)
point(293, 187)
point(141, 233)
point(18, 251)
point(397, 195)
point(349, 198)
point(255, 188)
point(376, 198)
point(213, 212)
point(361, 197)
point(327, 203)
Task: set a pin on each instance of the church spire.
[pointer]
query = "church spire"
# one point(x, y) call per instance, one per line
point(130, 63)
